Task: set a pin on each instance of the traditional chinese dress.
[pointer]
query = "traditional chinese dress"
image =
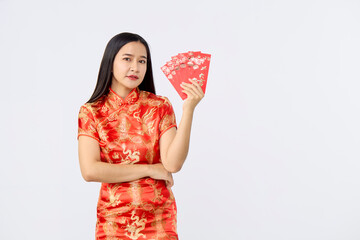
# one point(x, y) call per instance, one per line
point(128, 131)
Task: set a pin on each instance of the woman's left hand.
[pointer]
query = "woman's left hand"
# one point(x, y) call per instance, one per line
point(194, 94)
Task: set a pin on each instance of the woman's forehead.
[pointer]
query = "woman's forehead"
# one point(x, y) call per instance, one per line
point(133, 49)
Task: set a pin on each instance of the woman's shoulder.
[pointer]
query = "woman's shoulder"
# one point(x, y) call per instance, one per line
point(93, 107)
point(151, 97)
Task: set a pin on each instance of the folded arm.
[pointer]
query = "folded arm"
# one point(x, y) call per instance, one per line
point(94, 170)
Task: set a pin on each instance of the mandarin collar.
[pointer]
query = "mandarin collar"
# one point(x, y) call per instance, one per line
point(132, 97)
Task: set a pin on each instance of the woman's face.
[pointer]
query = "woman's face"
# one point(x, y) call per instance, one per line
point(129, 68)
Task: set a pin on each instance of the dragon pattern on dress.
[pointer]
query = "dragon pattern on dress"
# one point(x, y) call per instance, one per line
point(128, 131)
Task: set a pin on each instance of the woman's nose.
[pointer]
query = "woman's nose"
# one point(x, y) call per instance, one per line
point(134, 66)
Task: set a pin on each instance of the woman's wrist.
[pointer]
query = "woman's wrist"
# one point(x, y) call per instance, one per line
point(148, 169)
point(188, 111)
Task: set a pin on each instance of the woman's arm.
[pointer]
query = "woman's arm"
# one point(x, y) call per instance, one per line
point(93, 170)
point(174, 144)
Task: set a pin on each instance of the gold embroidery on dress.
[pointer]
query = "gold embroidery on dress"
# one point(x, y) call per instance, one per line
point(114, 198)
point(148, 207)
point(114, 212)
point(104, 109)
point(154, 103)
point(157, 191)
point(136, 226)
point(149, 150)
point(111, 238)
point(97, 226)
point(110, 227)
point(115, 155)
point(149, 156)
point(148, 121)
point(129, 133)
point(102, 135)
point(136, 115)
point(136, 139)
point(171, 197)
point(135, 193)
point(112, 118)
point(174, 221)
point(123, 136)
point(159, 221)
point(133, 107)
point(131, 156)
point(124, 124)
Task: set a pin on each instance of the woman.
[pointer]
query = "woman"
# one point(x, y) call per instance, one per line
point(129, 141)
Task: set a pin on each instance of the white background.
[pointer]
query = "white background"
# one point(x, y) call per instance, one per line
point(275, 142)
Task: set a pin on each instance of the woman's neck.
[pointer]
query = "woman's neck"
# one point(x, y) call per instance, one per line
point(121, 91)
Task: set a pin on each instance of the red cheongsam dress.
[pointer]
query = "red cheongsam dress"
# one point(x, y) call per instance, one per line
point(128, 131)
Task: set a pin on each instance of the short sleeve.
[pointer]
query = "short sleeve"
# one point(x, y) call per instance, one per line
point(168, 119)
point(86, 124)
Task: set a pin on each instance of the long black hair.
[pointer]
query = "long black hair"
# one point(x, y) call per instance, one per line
point(106, 66)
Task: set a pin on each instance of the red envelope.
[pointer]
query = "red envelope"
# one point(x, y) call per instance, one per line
point(185, 67)
point(200, 69)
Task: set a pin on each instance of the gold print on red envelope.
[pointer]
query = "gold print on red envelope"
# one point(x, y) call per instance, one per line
point(185, 67)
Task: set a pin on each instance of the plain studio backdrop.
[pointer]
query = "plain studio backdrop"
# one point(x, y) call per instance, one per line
point(274, 149)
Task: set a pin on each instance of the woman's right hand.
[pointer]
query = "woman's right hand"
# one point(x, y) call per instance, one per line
point(194, 95)
point(157, 171)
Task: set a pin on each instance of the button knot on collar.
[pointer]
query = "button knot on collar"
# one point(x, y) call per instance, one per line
point(132, 97)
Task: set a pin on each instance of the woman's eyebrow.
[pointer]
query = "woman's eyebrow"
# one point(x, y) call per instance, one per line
point(128, 54)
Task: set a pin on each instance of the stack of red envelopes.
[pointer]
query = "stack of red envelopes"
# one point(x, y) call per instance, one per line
point(185, 67)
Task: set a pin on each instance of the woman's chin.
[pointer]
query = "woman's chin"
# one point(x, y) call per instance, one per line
point(133, 84)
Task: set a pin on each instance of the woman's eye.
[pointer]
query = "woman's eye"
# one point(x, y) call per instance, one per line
point(142, 61)
point(126, 59)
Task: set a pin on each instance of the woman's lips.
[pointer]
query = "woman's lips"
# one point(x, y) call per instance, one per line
point(132, 77)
